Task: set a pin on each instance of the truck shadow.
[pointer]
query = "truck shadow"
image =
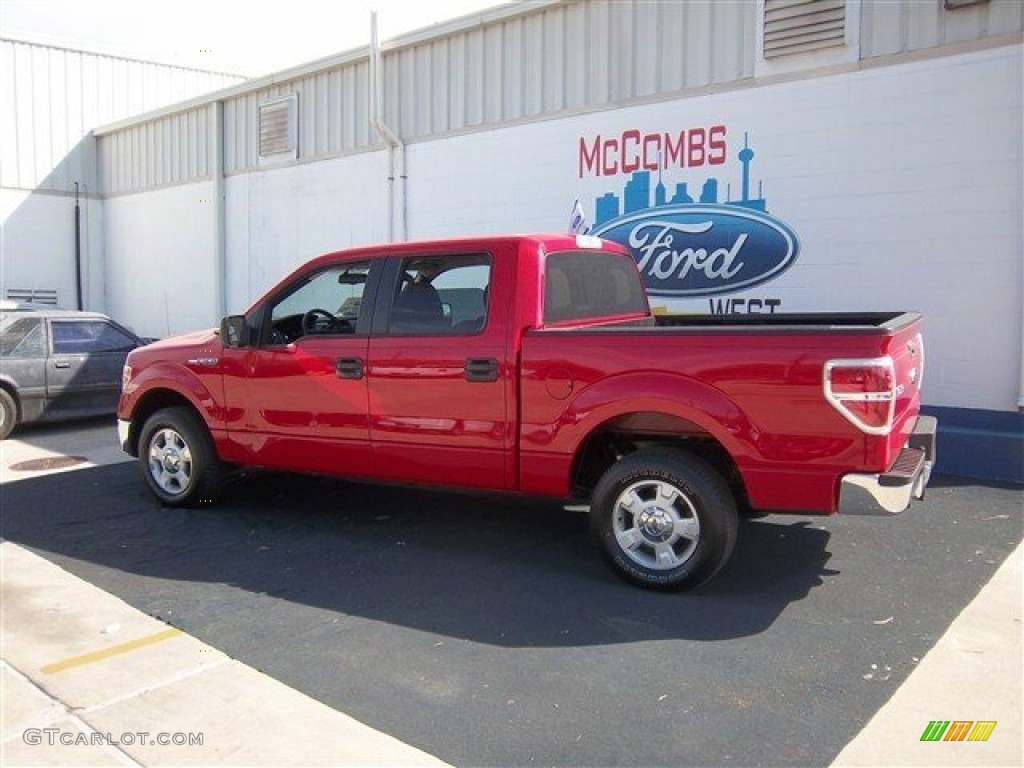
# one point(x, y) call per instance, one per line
point(489, 569)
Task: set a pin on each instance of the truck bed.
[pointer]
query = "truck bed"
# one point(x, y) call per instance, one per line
point(871, 323)
point(754, 385)
point(810, 322)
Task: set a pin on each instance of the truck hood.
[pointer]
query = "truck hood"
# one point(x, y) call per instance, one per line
point(206, 340)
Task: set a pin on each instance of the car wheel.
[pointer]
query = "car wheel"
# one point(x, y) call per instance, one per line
point(8, 414)
point(178, 458)
point(666, 519)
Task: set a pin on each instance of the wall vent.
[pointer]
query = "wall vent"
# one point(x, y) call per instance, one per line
point(35, 295)
point(799, 26)
point(279, 128)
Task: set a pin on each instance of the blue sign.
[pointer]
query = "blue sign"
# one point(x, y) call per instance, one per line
point(688, 251)
point(687, 247)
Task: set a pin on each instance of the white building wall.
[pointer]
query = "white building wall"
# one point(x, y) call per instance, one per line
point(50, 99)
point(159, 271)
point(278, 219)
point(37, 242)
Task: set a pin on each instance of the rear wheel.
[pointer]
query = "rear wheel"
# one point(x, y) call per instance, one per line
point(178, 459)
point(8, 413)
point(666, 519)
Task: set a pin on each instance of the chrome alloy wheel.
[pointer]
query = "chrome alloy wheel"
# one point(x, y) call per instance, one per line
point(656, 525)
point(170, 461)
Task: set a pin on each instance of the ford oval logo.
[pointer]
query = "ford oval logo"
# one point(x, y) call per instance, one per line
point(686, 251)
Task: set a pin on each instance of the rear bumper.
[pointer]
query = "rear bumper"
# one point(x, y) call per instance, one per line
point(891, 492)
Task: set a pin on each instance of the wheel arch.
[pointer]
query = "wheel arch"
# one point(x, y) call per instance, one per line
point(654, 408)
point(154, 400)
point(626, 433)
point(165, 385)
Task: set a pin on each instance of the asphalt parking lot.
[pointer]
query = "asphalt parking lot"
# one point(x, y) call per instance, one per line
point(487, 631)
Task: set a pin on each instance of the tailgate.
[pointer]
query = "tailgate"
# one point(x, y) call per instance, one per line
point(907, 352)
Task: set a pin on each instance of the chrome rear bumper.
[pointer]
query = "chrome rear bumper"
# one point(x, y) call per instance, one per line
point(891, 492)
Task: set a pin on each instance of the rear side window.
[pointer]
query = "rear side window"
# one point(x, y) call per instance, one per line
point(444, 294)
point(22, 337)
point(584, 285)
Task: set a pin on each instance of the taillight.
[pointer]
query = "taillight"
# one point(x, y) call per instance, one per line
point(863, 391)
point(126, 376)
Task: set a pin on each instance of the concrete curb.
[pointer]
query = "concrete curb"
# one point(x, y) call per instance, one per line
point(972, 674)
point(89, 680)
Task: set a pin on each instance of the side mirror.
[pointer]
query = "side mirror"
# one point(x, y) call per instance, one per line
point(234, 332)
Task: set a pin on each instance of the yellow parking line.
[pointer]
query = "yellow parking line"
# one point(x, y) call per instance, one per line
point(106, 653)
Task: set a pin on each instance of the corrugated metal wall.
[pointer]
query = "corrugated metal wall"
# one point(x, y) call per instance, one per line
point(572, 56)
point(575, 56)
point(51, 97)
point(333, 115)
point(520, 64)
point(159, 153)
point(889, 27)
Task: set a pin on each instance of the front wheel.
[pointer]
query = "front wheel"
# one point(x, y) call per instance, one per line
point(178, 459)
point(666, 519)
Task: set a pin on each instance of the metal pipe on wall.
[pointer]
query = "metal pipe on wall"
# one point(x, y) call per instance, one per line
point(396, 147)
point(220, 210)
point(78, 249)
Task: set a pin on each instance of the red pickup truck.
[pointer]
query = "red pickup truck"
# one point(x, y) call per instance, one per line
point(533, 364)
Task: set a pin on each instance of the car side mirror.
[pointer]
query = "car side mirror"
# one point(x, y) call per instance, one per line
point(234, 332)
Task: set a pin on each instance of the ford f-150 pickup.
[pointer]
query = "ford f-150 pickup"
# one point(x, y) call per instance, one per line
point(533, 364)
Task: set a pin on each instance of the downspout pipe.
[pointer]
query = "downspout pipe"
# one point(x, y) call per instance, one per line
point(220, 212)
point(396, 147)
point(78, 249)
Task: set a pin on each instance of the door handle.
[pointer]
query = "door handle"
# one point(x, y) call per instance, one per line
point(349, 368)
point(481, 369)
point(61, 364)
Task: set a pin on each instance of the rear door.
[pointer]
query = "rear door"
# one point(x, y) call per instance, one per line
point(439, 376)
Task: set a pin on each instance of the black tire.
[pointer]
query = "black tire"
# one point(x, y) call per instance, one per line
point(682, 528)
point(178, 459)
point(8, 414)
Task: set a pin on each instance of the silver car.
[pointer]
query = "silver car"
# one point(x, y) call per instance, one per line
point(59, 364)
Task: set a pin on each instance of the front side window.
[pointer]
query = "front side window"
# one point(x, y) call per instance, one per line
point(441, 295)
point(583, 285)
point(327, 302)
point(85, 337)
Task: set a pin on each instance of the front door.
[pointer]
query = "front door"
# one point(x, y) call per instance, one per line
point(297, 398)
